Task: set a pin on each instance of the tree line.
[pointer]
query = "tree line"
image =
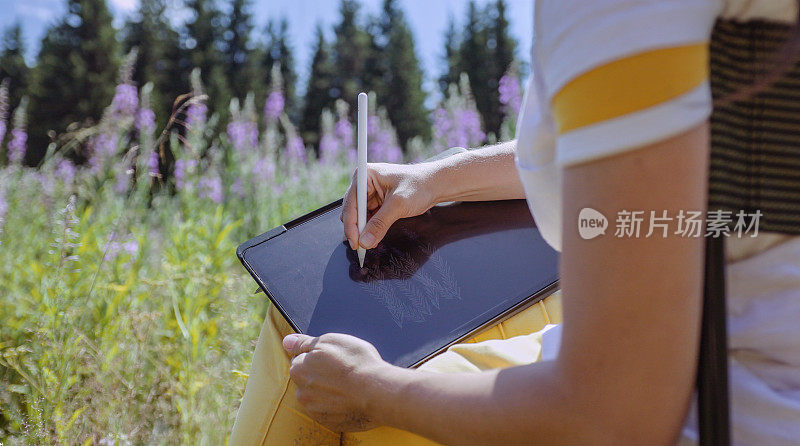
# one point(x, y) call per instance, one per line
point(76, 70)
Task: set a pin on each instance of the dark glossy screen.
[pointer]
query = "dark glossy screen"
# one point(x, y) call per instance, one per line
point(432, 280)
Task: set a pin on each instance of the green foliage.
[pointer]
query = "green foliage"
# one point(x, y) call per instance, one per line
point(126, 316)
point(241, 63)
point(401, 88)
point(75, 72)
point(351, 51)
point(204, 48)
point(277, 50)
point(160, 60)
point(318, 91)
point(12, 63)
point(485, 51)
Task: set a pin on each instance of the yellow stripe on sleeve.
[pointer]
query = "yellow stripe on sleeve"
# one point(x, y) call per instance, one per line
point(629, 85)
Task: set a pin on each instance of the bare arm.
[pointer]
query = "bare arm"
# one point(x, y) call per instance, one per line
point(397, 191)
point(631, 321)
point(484, 174)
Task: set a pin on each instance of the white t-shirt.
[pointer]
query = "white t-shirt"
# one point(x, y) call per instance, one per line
point(574, 37)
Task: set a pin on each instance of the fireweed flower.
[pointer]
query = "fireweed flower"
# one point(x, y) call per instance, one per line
point(328, 148)
point(126, 101)
point(295, 150)
point(211, 187)
point(196, 114)
point(344, 132)
point(510, 94)
point(66, 170)
point(274, 105)
point(102, 147)
point(122, 180)
point(18, 145)
point(145, 120)
point(264, 168)
point(152, 163)
point(182, 169)
point(243, 135)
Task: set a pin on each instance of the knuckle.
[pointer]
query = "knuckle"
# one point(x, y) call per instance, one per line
point(379, 223)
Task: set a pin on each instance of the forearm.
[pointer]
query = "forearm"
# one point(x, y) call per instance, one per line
point(488, 173)
point(510, 406)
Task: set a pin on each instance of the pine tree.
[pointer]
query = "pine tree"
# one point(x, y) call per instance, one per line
point(451, 53)
point(401, 90)
point(239, 55)
point(75, 74)
point(12, 64)
point(485, 53)
point(204, 45)
point(159, 59)
point(502, 47)
point(351, 51)
point(318, 92)
point(474, 59)
point(277, 50)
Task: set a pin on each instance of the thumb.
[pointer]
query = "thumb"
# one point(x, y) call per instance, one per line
point(297, 343)
point(377, 226)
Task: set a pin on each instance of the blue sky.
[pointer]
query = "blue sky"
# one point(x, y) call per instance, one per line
point(427, 18)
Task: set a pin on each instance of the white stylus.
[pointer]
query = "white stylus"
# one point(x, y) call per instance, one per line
point(361, 176)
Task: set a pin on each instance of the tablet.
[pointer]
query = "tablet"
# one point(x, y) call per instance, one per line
point(434, 280)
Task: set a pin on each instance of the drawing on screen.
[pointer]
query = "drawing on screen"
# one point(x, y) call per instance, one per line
point(410, 288)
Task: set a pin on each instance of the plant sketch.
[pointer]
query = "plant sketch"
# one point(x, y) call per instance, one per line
point(411, 292)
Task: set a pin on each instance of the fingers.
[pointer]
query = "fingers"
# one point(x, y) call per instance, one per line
point(297, 343)
point(389, 212)
point(350, 216)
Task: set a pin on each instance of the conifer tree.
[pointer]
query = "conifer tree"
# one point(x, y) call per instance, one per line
point(400, 91)
point(239, 55)
point(351, 51)
point(159, 56)
point(278, 50)
point(318, 91)
point(12, 63)
point(204, 46)
point(75, 73)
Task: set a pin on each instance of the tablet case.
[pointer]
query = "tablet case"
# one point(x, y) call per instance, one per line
point(546, 276)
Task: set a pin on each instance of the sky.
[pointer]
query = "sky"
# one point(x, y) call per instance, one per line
point(428, 20)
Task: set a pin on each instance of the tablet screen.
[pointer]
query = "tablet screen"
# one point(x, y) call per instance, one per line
point(432, 280)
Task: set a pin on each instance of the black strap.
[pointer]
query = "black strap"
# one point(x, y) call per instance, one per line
point(712, 369)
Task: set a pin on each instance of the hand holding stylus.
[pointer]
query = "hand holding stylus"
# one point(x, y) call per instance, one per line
point(394, 191)
point(361, 173)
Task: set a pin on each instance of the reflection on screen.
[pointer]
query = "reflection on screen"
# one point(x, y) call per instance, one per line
point(430, 281)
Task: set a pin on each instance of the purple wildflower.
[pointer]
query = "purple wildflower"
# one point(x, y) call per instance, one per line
point(130, 246)
point(274, 105)
point(126, 100)
point(3, 206)
point(145, 120)
point(211, 187)
point(182, 168)
point(295, 150)
point(17, 146)
point(196, 114)
point(102, 147)
point(66, 170)
point(328, 148)
point(122, 182)
point(243, 135)
point(344, 131)
point(510, 94)
point(3, 110)
point(152, 163)
point(264, 168)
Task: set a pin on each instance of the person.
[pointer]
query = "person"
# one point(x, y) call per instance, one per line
point(615, 119)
